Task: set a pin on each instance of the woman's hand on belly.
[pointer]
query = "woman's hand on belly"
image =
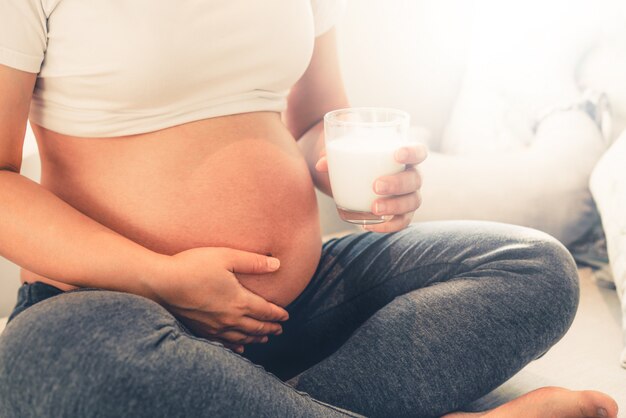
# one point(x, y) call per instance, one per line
point(199, 287)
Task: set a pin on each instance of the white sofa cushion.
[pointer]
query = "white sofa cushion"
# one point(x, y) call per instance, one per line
point(608, 186)
point(502, 95)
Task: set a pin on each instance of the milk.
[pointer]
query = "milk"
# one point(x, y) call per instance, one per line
point(355, 162)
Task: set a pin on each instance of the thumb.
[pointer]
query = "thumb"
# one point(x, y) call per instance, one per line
point(250, 263)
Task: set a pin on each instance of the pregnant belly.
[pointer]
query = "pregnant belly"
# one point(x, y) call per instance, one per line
point(243, 192)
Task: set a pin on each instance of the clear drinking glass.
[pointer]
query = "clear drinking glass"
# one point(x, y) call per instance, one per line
point(360, 148)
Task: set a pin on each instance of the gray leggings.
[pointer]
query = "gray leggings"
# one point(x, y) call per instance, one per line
point(416, 323)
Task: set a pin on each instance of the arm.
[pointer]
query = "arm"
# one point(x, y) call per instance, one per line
point(321, 90)
point(42, 233)
point(47, 236)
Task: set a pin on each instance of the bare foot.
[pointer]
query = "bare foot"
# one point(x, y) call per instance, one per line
point(551, 402)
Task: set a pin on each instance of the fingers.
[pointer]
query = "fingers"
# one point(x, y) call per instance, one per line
point(397, 205)
point(259, 308)
point(235, 332)
point(395, 224)
point(413, 154)
point(252, 326)
point(402, 190)
point(249, 331)
point(322, 165)
point(244, 325)
point(239, 338)
point(409, 155)
point(237, 348)
point(404, 182)
point(249, 263)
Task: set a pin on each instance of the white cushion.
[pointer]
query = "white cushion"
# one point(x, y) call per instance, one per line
point(501, 96)
point(505, 87)
point(608, 186)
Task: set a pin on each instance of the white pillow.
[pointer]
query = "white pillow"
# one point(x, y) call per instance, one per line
point(608, 186)
point(524, 59)
point(520, 62)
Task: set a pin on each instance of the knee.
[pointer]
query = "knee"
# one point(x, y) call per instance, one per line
point(102, 315)
point(92, 320)
point(58, 346)
point(559, 268)
point(537, 276)
point(64, 324)
point(555, 286)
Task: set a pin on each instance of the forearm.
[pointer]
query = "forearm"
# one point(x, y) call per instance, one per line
point(311, 144)
point(43, 234)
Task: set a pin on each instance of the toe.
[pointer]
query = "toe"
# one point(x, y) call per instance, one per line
point(597, 404)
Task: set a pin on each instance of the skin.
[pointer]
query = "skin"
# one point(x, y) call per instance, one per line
point(136, 214)
point(551, 402)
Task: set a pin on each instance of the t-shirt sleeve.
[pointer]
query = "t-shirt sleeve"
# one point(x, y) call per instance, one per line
point(23, 34)
point(326, 14)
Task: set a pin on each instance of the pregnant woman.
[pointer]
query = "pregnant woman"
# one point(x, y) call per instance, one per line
point(173, 245)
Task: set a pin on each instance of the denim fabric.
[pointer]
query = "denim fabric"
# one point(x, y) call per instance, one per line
point(416, 323)
point(28, 295)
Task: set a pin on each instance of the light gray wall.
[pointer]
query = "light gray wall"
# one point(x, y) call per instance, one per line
point(9, 283)
point(407, 54)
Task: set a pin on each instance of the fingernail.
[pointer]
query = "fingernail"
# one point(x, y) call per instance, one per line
point(273, 263)
point(264, 340)
point(402, 154)
point(239, 350)
point(601, 412)
point(381, 187)
point(380, 207)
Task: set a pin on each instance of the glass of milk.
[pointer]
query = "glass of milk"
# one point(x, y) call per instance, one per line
point(360, 148)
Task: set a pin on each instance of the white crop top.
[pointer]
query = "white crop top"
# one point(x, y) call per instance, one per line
point(110, 68)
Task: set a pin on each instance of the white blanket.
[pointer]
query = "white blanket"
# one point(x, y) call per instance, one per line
point(608, 186)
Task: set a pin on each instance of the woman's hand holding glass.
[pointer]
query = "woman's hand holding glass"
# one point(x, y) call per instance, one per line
point(200, 288)
point(399, 193)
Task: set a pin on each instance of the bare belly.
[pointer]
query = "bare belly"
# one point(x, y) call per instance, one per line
point(237, 181)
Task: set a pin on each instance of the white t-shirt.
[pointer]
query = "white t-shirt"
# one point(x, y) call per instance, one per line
point(109, 68)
